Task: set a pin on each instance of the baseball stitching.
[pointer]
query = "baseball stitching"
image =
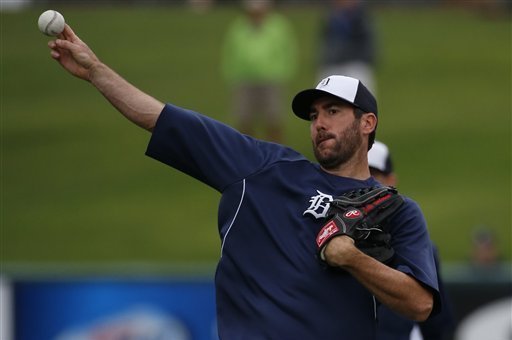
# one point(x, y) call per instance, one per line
point(50, 22)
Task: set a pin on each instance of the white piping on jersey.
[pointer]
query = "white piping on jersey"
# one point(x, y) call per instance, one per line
point(234, 218)
point(374, 308)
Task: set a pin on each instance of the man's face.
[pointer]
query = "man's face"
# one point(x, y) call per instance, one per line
point(335, 132)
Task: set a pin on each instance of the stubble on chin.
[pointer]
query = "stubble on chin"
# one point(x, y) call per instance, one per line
point(345, 146)
point(328, 158)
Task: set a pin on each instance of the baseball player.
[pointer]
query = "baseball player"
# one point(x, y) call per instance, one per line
point(278, 277)
point(392, 326)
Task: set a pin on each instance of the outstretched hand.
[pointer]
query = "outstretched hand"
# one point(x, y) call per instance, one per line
point(79, 60)
point(73, 54)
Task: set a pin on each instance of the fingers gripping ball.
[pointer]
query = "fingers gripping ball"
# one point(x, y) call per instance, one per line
point(51, 23)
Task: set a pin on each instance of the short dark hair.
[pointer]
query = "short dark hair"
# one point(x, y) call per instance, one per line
point(358, 113)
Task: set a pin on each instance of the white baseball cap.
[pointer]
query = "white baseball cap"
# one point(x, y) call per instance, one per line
point(379, 158)
point(348, 89)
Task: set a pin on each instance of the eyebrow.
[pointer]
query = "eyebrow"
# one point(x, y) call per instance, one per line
point(330, 103)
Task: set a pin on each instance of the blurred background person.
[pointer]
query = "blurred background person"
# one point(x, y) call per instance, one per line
point(484, 253)
point(200, 6)
point(259, 57)
point(381, 164)
point(348, 43)
point(392, 326)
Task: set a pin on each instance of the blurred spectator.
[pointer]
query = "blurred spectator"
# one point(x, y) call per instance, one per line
point(259, 57)
point(490, 9)
point(381, 164)
point(485, 251)
point(348, 42)
point(392, 326)
point(200, 6)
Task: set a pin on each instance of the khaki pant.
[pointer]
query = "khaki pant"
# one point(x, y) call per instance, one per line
point(258, 102)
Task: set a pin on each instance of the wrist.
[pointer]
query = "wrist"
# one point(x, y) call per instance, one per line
point(340, 251)
point(97, 71)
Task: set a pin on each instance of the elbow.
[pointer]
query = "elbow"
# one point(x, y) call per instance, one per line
point(148, 124)
point(149, 128)
point(422, 308)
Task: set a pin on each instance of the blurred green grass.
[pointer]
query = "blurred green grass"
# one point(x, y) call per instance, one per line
point(76, 186)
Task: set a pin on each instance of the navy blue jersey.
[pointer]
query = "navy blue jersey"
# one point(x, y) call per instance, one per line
point(269, 282)
point(392, 326)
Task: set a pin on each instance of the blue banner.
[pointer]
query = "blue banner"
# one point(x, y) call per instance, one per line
point(114, 309)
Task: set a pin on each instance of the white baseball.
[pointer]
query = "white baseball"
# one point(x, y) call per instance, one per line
point(51, 23)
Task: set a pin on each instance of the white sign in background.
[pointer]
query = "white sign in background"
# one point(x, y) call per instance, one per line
point(5, 309)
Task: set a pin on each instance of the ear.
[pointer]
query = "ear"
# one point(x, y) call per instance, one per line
point(368, 123)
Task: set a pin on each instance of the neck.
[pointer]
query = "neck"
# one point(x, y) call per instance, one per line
point(356, 167)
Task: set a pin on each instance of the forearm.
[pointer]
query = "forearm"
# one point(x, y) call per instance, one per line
point(137, 106)
point(78, 59)
point(395, 289)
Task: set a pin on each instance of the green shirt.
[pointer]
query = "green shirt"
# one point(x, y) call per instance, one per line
point(266, 53)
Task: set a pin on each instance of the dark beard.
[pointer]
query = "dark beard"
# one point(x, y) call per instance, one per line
point(345, 148)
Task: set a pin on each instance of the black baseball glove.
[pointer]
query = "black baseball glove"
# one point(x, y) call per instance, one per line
point(362, 214)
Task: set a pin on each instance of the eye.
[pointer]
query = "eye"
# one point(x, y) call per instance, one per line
point(313, 115)
point(333, 110)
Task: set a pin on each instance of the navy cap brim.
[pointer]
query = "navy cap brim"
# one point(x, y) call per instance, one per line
point(302, 102)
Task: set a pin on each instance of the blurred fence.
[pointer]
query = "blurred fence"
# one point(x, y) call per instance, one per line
point(53, 302)
point(151, 306)
point(42, 305)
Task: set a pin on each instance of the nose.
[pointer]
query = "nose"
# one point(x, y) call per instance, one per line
point(320, 122)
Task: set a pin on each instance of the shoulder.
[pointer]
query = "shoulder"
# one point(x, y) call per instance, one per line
point(411, 206)
point(277, 154)
point(410, 203)
point(408, 219)
point(412, 213)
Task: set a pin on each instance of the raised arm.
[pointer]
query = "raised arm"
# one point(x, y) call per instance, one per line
point(79, 60)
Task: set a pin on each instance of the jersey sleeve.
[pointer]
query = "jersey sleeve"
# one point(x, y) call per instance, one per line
point(209, 150)
point(413, 247)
